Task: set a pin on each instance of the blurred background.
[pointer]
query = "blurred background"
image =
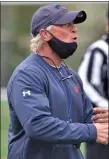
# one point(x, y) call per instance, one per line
point(15, 40)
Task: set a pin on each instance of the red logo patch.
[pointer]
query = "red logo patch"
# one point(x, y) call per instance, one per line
point(76, 89)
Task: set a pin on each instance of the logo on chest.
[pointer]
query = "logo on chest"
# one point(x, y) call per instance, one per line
point(76, 89)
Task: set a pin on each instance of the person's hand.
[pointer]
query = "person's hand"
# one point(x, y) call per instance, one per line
point(101, 115)
point(102, 133)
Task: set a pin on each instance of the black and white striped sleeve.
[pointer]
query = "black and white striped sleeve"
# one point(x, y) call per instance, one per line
point(90, 72)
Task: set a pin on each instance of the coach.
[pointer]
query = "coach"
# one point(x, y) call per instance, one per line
point(50, 115)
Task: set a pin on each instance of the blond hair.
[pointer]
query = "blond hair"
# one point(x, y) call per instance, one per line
point(37, 41)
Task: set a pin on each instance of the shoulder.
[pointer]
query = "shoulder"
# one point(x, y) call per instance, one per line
point(99, 46)
point(28, 71)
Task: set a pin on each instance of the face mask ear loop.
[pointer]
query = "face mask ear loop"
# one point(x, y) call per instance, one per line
point(54, 65)
point(50, 33)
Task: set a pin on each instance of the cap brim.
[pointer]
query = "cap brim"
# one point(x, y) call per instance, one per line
point(72, 16)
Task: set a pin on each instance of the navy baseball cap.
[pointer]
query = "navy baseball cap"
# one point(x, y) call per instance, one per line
point(54, 14)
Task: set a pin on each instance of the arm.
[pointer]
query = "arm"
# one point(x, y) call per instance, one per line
point(102, 130)
point(33, 112)
point(90, 73)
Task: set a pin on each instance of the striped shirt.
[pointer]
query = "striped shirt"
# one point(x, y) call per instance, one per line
point(93, 72)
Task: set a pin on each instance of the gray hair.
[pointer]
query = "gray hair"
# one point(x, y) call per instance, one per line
point(37, 41)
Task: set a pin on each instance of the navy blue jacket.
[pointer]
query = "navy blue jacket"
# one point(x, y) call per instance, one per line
point(49, 117)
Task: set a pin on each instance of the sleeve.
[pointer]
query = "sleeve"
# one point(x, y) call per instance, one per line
point(90, 73)
point(28, 97)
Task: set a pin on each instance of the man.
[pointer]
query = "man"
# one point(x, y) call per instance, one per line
point(93, 71)
point(49, 113)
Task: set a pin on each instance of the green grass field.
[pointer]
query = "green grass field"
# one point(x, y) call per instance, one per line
point(4, 130)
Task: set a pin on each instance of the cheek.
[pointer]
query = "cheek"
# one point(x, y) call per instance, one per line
point(61, 33)
point(65, 36)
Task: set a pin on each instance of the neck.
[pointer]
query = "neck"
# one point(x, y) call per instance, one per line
point(46, 51)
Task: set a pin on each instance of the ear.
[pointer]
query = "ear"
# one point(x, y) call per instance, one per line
point(45, 35)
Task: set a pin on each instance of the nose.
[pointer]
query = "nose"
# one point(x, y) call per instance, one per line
point(74, 29)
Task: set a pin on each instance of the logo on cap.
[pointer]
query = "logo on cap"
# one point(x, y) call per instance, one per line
point(57, 6)
point(80, 15)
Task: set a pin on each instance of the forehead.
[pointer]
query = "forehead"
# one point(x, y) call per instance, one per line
point(61, 27)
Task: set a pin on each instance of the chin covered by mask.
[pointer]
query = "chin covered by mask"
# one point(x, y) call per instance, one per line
point(62, 49)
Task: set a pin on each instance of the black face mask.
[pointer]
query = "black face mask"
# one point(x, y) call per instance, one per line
point(62, 49)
